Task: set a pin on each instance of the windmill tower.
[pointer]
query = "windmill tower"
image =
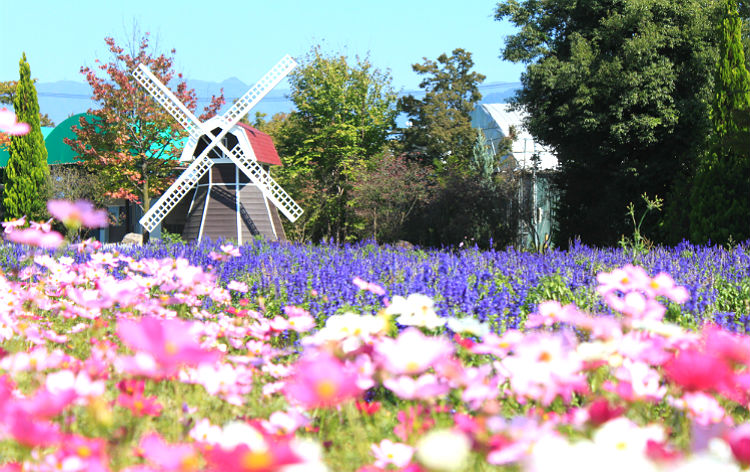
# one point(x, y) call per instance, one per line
point(225, 191)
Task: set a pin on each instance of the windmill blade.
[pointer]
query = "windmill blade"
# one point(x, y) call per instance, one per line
point(243, 105)
point(249, 100)
point(265, 183)
point(167, 99)
point(184, 183)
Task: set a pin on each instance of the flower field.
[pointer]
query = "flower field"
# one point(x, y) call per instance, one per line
point(364, 358)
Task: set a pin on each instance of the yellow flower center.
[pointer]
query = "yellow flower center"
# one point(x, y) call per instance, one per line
point(83, 451)
point(256, 460)
point(190, 462)
point(545, 357)
point(325, 389)
point(170, 347)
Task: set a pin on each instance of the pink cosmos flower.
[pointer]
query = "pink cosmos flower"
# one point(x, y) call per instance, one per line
point(412, 352)
point(11, 225)
point(696, 370)
point(237, 286)
point(169, 457)
point(44, 227)
point(321, 380)
point(413, 422)
point(169, 341)
point(35, 237)
point(230, 250)
point(90, 453)
point(77, 214)
point(703, 408)
point(600, 411)
point(9, 125)
point(243, 459)
point(140, 405)
point(731, 347)
point(739, 442)
point(368, 286)
point(549, 313)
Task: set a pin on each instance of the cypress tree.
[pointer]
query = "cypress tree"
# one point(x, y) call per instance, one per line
point(26, 183)
point(720, 196)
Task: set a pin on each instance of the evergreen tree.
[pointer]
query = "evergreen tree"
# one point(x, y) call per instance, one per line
point(720, 195)
point(26, 183)
point(482, 159)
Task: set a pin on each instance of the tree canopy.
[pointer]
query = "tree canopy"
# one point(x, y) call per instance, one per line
point(130, 142)
point(620, 91)
point(439, 130)
point(344, 112)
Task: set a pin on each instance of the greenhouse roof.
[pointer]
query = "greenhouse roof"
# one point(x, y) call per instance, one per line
point(57, 151)
point(496, 119)
point(54, 139)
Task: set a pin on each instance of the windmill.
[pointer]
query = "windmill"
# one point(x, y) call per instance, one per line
point(225, 189)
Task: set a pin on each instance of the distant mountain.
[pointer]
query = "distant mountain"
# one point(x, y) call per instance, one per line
point(65, 98)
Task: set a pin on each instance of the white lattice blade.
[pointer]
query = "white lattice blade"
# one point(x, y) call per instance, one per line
point(243, 105)
point(265, 183)
point(184, 183)
point(168, 100)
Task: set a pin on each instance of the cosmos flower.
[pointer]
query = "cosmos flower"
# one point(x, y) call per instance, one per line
point(77, 214)
point(9, 125)
point(320, 380)
point(169, 341)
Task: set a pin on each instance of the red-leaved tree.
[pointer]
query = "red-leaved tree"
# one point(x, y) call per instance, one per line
point(132, 143)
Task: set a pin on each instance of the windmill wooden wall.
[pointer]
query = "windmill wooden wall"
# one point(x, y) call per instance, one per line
point(225, 217)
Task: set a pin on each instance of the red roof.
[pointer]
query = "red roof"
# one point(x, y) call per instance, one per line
point(262, 145)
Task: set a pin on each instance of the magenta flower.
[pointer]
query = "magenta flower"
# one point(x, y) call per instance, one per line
point(739, 442)
point(169, 457)
point(170, 342)
point(77, 214)
point(321, 380)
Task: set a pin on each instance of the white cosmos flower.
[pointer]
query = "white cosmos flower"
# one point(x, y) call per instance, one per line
point(443, 450)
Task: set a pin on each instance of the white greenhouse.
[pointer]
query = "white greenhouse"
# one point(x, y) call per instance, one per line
point(533, 162)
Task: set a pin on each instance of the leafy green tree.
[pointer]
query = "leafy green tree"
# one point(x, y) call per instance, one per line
point(26, 182)
point(440, 131)
point(720, 194)
point(619, 90)
point(344, 112)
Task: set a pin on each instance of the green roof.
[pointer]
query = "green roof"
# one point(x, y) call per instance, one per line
point(60, 153)
point(57, 151)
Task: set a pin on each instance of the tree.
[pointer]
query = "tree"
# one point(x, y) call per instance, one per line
point(483, 159)
point(389, 193)
point(131, 142)
point(26, 183)
point(440, 131)
point(720, 194)
point(7, 90)
point(619, 90)
point(343, 115)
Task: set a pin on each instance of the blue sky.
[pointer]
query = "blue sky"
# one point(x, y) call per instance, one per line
point(243, 39)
